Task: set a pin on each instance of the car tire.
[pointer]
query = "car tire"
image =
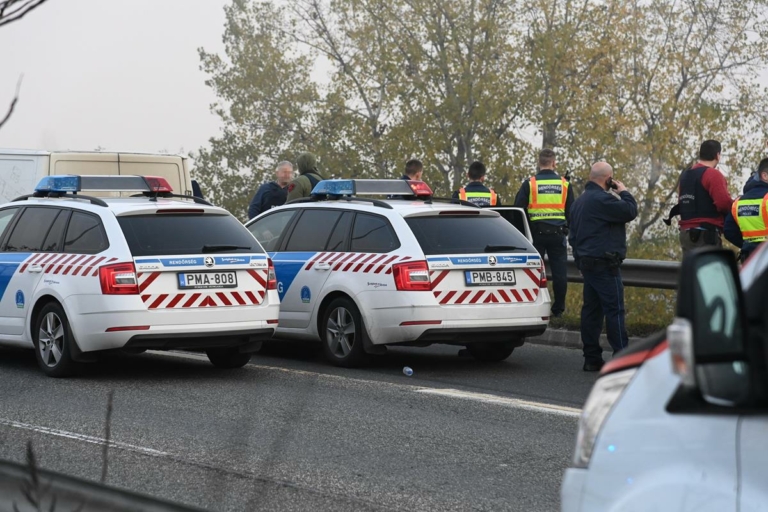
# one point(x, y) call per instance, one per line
point(341, 333)
point(53, 339)
point(491, 352)
point(227, 358)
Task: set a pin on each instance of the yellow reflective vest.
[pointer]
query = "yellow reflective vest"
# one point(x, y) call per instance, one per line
point(546, 200)
point(467, 196)
point(752, 217)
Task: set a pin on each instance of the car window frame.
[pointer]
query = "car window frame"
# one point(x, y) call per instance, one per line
point(19, 215)
point(295, 221)
point(348, 236)
point(288, 227)
point(66, 230)
point(11, 225)
point(67, 211)
point(392, 230)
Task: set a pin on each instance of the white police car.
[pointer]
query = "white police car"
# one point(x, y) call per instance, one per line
point(679, 421)
point(361, 273)
point(80, 275)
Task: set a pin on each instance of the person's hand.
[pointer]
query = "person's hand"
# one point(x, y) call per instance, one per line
point(619, 186)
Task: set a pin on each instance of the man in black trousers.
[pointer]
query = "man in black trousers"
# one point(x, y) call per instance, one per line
point(599, 240)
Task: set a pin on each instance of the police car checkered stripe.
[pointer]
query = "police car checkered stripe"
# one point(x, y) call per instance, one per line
point(82, 265)
point(485, 296)
point(202, 299)
point(356, 262)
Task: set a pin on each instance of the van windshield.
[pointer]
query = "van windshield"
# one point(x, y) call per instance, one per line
point(169, 234)
point(465, 234)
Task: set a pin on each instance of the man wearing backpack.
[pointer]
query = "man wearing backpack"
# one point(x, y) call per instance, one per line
point(308, 177)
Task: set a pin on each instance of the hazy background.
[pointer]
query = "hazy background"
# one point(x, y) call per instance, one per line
point(112, 73)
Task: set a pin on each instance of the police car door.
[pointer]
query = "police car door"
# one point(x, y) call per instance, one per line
point(517, 217)
point(34, 238)
point(300, 279)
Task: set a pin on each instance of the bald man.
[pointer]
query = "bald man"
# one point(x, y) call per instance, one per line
point(598, 236)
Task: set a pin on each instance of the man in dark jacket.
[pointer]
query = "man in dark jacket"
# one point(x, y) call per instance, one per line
point(548, 205)
point(273, 193)
point(599, 240)
point(704, 199)
point(746, 225)
point(475, 191)
point(308, 177)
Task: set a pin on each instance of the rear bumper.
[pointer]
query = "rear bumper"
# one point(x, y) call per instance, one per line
point(91, 316)
point(385, 313)
point(197, 340)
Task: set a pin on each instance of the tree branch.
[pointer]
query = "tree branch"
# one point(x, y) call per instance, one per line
point(14, 10)
point(13, 103)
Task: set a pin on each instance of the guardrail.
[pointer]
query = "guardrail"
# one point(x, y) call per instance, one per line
point(638, 273)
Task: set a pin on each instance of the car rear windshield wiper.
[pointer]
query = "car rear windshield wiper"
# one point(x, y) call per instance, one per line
point(219, 248)
point(501, 248)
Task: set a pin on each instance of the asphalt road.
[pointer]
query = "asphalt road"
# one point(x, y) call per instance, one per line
point(289, 432)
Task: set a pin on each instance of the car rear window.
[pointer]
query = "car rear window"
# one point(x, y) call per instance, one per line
point(465, 234)
point(175, 234)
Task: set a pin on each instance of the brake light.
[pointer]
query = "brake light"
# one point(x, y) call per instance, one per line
point(118, 279)
point(420, 189)
point(271, 278)
point(181, 210)
point(459, 212)
point(543, 280)
point(411, 276)
point(158, 184)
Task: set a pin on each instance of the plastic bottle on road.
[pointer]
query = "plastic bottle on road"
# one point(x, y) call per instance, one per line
point(407, 371)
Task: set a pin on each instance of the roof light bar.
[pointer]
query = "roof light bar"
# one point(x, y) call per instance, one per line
point(58, 184)
point(371, 188)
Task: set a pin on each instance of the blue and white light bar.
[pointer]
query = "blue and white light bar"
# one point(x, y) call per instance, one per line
point(371, 188)
point(58, 184)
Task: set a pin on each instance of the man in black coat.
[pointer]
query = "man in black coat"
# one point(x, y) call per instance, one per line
point(273, 193)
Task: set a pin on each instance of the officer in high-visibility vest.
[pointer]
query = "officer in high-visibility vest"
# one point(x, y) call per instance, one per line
point(548, 197)
point(746, 226)
point(475, 192)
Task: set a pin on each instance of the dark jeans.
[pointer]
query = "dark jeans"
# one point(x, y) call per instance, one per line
point(603, 299)
point(554, 245)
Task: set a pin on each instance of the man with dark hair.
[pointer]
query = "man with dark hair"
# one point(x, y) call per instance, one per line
point(475, 192)
point(704, 200)
point(746, 225)
point(547, 198)
point(413, 170)
point(308, 177)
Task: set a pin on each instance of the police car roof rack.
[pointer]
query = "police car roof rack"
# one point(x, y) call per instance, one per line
point(452, 200)
point(331, 197)
point(93, 200)
point(154, 195)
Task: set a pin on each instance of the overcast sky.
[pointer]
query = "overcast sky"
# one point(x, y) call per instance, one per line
point(120, 74)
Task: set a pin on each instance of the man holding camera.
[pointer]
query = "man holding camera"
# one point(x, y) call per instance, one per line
point(547, 198)
point(599, 240)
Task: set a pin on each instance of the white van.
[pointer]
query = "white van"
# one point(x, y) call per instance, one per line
point(22, 169)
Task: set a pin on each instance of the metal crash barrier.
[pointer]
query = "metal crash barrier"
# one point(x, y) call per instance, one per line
point(638, 273)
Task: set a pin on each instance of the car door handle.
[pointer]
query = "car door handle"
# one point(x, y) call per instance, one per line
point(322, 266)
point(35, 269)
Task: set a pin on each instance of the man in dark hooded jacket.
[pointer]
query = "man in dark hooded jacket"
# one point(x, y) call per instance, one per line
point(308, 177)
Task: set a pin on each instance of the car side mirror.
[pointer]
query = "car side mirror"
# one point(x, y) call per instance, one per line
point(707, 339)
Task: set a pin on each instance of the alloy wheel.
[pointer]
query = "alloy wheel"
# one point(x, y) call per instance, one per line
point(341, 331)
point(51, 339)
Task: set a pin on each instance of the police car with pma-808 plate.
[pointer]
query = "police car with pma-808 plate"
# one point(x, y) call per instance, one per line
point(360, 273)
point(81, 275)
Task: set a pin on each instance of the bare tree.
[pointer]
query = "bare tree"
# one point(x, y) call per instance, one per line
point(10, 11)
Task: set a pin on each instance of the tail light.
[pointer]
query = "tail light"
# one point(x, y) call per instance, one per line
point(271, 278)
point(411, 276)
point(543, 280)
point(118, 279)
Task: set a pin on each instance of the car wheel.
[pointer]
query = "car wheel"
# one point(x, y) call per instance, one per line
point(342, 333)
point(230, 357)
point(491, 352)
point(53, 341)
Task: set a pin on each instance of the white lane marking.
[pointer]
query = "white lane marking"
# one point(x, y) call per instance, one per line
point(516, 403)
point(500, 400)
point(82, 437)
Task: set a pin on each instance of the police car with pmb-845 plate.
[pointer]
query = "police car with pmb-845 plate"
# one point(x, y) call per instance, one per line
point(80, 275)
point(362, 273)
